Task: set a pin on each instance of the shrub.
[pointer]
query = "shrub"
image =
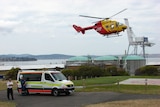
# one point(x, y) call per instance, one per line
point(147, 71)
point(89, 71)
point(122, 72)
point(12, 73)
point(112, 70)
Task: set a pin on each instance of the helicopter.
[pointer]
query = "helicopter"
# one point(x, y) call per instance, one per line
point(104, 27)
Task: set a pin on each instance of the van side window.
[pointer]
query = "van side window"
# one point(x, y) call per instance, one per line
point(32, 77)
point(48, 77)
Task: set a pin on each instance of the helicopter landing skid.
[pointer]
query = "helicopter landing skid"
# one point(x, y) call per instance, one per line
point(110, 36)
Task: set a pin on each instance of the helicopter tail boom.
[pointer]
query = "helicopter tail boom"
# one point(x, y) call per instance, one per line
point(79, 29)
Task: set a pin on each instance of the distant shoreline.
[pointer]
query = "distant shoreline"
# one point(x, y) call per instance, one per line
point(12, 59)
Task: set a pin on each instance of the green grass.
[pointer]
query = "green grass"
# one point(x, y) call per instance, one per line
point(136, 89)
point(100, 80)
point(108, 84)
point(3, 84)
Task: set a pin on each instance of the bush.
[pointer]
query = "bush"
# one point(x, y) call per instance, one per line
point(122, 72)
point(89, 71)
point(12, 73)
point(84, 71)
point(147, 71)
point(69, 73)
point(114, 71)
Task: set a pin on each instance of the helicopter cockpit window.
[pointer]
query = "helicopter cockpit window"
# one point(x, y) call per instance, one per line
point(120, 24)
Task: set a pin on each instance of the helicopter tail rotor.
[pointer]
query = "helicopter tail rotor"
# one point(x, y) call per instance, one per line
point(79, 29)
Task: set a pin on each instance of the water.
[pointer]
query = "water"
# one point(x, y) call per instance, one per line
point(152, 61)
point(149, 61)
point(38, 62)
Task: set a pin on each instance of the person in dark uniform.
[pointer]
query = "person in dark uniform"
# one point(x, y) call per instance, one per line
point(23, 85)
point(9, 89)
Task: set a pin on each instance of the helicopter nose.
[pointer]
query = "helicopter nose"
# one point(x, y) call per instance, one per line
point(124, 27)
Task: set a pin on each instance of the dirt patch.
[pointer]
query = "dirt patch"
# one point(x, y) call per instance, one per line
point(129, 103)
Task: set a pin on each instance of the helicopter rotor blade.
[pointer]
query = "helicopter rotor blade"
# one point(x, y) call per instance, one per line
point(91, 17)
point(103, 18)
point(118, 12)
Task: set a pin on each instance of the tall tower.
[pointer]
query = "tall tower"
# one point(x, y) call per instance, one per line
point(134, 41)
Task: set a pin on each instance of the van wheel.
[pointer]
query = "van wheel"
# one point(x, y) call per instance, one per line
point(55, 92)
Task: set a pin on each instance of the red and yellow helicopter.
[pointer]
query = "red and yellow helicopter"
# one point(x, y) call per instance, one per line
point(105, 26)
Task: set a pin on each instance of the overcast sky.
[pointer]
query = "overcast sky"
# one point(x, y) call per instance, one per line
point(45, 26)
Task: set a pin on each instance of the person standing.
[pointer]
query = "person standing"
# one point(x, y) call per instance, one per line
point(9, 89)
point(23, 85)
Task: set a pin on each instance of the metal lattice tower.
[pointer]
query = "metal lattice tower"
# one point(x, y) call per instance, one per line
point(136, 41)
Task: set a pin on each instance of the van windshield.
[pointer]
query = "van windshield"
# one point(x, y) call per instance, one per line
point(58, 76)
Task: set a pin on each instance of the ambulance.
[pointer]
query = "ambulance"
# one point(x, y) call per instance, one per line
point(48, 82)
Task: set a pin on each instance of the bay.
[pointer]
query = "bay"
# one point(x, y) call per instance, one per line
point(38, 62)
point(149, 61)
point(152, 61)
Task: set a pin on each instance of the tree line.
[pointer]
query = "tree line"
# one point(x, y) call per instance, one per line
point(93, 71)
point(96, 71)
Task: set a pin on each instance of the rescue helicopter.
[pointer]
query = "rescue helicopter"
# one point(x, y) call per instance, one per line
point(104, 27)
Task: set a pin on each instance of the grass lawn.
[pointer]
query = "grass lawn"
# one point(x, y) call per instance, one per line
point(100, 80)
point(3, 84)
point(108, 84)
point(136, 89)
point(108, 80)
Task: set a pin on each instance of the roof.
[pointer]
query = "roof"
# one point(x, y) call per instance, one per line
point(108, 57)
point(35, 72)
point(78, 58)
point(133, 57)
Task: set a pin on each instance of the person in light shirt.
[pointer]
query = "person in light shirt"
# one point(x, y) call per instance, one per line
point(9, 89)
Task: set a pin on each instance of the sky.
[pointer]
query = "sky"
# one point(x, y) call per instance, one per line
point(45, 26)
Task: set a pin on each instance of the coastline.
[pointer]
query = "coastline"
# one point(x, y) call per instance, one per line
point(50, 63)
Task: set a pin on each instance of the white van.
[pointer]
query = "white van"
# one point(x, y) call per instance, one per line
point(52, 82)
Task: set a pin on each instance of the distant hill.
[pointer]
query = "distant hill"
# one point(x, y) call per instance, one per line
point(12, 58)
point(52, 56)
point(29, 57)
